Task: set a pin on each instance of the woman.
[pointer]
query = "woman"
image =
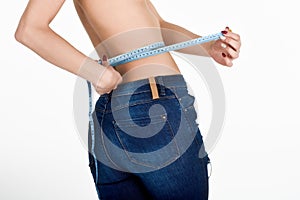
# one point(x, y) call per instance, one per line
point(116, 27)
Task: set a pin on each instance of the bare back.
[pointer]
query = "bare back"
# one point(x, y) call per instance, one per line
point(122, 26)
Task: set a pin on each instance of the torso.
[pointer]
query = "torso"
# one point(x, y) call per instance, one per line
point(119, 26)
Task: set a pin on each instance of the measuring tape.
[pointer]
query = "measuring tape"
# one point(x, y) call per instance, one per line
point(154, 49)
point(143, 52)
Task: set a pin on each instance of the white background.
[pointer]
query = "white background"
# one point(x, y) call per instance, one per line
point(257, 156)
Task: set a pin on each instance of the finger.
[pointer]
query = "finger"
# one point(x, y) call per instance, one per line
point(231, 53)
point(232, 35)
point(101, 91)
point(115, 85)
point(118, 81)
point(228, 43)
point(112, 87)
point(99, 87)
point(227, 60)
point(228, 29)
point(219, 46)
point(235, 45)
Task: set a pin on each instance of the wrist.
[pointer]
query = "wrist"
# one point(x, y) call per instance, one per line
point(91, 70)
point(208, 47)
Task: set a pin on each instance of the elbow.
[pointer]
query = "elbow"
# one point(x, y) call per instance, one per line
point(20, 34)
point(27, 34)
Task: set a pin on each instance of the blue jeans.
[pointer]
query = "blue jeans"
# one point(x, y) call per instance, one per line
point(148, 148)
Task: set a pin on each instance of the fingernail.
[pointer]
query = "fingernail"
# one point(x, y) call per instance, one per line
point(224, 55)
point(223, 45)
point(224, 32)
point(227, 27)
point(104, 58)
point(222, 37)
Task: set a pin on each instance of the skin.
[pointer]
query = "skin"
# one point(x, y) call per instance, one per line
point(34, 32)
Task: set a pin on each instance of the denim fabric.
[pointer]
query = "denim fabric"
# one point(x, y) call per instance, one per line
point(155, 159)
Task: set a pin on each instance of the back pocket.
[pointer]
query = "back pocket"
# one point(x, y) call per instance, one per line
point(148, 141)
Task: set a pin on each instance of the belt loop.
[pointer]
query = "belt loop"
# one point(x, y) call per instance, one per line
point(153, 87)
point(161, 85)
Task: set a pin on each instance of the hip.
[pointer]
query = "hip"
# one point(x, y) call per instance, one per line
point(147, 128)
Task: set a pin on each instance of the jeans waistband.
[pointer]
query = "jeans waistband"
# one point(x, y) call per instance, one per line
point(139, 91)
point(142, 85)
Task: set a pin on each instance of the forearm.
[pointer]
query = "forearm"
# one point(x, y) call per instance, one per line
point(173, 33)
point(56, 50)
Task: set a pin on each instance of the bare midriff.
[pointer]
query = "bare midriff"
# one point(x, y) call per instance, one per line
point(121, 26)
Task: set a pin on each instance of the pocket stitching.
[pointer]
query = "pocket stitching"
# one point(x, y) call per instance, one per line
point(123, 122)
point(170, 130)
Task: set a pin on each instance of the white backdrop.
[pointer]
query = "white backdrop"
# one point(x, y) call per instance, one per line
point(257, 156)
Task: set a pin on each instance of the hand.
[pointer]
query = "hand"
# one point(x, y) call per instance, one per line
point(226, 49)
point(109, 79)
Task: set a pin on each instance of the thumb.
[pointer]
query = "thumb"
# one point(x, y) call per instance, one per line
point(104, 61)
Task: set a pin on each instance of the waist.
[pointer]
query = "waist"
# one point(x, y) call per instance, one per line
point(162, 64)
point(143, 85)
point(139, 91)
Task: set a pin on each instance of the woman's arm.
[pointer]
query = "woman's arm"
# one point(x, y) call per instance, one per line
point(222, 51)
point(173, 33)
point(34, 32)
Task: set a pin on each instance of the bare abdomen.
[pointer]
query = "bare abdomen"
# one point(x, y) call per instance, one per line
point(127, 25)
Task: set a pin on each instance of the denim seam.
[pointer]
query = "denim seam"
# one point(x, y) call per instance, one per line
point(202, 160)
point(102, 138)
point(143, 91)
point(130, 93)
point(189, 125)
point(193, 121)
point(187, 119)
point(137, 103)
point(155, 117)
point(134, 125)
point(204, 168)
point(182, 110)
point(175, 141)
